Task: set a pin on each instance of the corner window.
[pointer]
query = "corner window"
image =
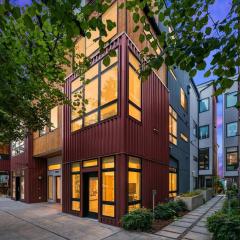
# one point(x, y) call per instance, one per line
point(97, 100)
point(231, 99)
point(172, 126)
point(172, 182)
point(231, 129)
point(203, 159)
point(184, 137)
point(183, 99)
point(204, 132)
point(134, 183)
point(75, 172)
point(134, 88)
point(204, 105)
point(232, 158)
point(108, 186)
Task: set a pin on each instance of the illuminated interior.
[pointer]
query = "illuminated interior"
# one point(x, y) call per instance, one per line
point(76, 187)
point(172, 183)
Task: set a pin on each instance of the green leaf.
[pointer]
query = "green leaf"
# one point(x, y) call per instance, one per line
point(28, 21)
point(207, 74)
point(193, 72)
point(136, 17)
point(142, 38)
point(208, 30)
point(106, 61)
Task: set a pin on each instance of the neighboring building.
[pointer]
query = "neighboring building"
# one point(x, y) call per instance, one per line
point(4, 169)
point(179, 165)
point(194, 142)
point(113, 158)
point(231, 134)
point(207, 157)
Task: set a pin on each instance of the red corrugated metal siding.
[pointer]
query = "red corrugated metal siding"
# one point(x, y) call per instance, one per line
point(5, 165)
point(122, 136)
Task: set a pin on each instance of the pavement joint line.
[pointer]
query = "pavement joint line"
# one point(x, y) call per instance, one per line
point(36, 225)
point(183, 235)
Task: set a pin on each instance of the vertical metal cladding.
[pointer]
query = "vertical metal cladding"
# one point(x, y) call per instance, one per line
point(122, 136)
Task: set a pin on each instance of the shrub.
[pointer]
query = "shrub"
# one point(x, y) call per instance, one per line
point(191, 194)
point(139, 219)
point(224, 226)
point(233, 204)
point(163, 211)
point(174, 206)
point(182, 205)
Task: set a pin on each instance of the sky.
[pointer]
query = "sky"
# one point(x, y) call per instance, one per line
point(218, 11)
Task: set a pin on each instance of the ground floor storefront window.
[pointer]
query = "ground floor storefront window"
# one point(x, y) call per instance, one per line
point(172, 182)
point(75, 169)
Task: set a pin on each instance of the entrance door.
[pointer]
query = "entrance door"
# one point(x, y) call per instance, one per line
point(91, 195)
point(58, 189)
point(17, 188)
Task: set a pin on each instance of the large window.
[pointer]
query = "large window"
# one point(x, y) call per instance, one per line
point(134, 183)
point(204, 105)
point(232, 158)
point(17, 147)
point(204, 132)
point(172, 182)
point(231, 99)
point(231, 129)
point(203, 159)
point(75, 170)
point(172, 126)
point(134, 89)
point(54, 118)
point(89, 45)
point(108, 186)
point(100, 95)
point(183, 99)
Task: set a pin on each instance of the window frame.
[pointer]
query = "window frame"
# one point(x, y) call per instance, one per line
point(98, 78)
point(112, 203)
point(53, 128)
point(226, 95)
point(208, 135)
point(185, 107)
point(128, 83)
point(76, 199)
point(226, 154)
point(199, 159)
point(208, 108)
point(172, 117)
point(184, 137)
point(227, 129)
point(139, 170)
point(175, 171)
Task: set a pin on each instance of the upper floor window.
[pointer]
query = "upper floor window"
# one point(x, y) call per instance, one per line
point(204, 105)
point(173, 74)
point(231, 129)
point(183, 99)
point(203, 158)
point(204, 132)
point(195, 129)
point(232, 158)
point(134, 88)
point(172, 126)
point(231, 99)
point(54, 118)
point(184, 137)
point(88, 46)
point(100, 95)
point(17, 147)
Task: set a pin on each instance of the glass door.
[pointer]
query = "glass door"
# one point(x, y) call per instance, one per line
point(50, 187)
point(93, 195)
point(58, 189)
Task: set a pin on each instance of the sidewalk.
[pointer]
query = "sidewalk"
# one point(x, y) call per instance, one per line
point(193, 225)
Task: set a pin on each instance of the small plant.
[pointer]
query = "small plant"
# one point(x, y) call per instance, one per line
point(224, 226)
point(231, 205)
point(191, 194)
point(182, 205)
point(164, 212)
point(139, 219)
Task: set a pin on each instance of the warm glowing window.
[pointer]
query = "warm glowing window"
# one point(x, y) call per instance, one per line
point(183, 99)
point(184, 137)
point(90, 163)
point(100, 95)
point(80, 47)
point(92, 43)
point(14, 187)
point(50, 187)
point(54, 167)
point(172, 126)
point(172, 182)
point(54, 118)
point(110, 14)
point(108, 186)
point(232, 158)
point(134, 207)
point(134, 89)
point(134, 182)
point(76, 186)
point(22, 187)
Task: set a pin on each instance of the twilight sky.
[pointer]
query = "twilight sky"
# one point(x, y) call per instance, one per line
point(218, 11)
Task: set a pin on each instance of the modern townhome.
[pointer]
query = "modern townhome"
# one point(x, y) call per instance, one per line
point(4, 169)
point(179, 163)
point(207, 157)
point(194, 141)
point(113, 158)
point(231, 134)
point(36, 163)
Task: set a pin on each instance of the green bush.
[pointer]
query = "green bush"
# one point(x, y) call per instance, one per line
point(224, 226)
point(174, 206)
point(191, 194)
point(233, 204)
point(139, 219)
point(164, 212)
point(182, 205)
